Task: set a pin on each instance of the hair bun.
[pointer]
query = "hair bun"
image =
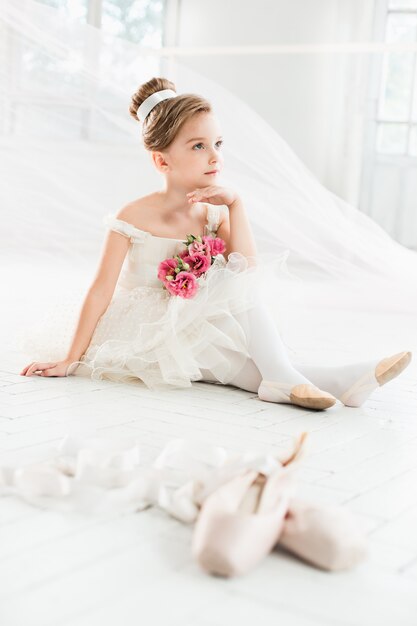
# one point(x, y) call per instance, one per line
point(165, 119)
point(146, 90)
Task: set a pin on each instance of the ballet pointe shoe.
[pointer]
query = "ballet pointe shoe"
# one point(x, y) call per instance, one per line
point(385, 370)
point(308, 396)
point(239, 523)
point(389, 368)
point(327, 537)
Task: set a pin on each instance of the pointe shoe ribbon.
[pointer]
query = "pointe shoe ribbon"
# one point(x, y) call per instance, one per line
point(308, 396)
point(240, 522)
point(386, 370)
point(327, 537)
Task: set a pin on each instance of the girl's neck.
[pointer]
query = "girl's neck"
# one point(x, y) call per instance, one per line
point(174, 200)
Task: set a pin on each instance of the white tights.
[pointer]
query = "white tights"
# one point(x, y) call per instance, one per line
point(270, 361)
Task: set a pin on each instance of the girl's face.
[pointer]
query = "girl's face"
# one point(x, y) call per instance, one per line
point(196, 150)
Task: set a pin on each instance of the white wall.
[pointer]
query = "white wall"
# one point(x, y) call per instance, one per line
point(304, 97)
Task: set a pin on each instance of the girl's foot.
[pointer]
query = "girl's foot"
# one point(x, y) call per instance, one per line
point(308, 396)
point(385, 370)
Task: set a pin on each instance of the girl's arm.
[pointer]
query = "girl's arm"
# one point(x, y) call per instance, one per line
point(100, 293)
point(95, 304)
point(237, 232)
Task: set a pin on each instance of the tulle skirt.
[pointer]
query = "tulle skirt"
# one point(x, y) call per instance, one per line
point(149, 335)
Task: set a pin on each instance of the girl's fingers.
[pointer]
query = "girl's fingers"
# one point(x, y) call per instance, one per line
point(203, 191)
point(201, 194)
point(207, 190)
point(26, 369)
point(38, 366)
point(32, 369)
point(208, 194)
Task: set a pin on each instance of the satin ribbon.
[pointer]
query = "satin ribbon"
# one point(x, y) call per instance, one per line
point(99, 476)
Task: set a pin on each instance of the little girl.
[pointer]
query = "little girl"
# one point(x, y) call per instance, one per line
point(131, 329)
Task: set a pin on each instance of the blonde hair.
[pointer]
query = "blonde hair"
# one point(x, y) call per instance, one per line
point(163, 123)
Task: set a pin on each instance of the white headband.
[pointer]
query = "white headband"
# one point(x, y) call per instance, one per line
point(154, 99)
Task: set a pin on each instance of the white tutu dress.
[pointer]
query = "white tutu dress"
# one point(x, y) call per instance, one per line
point(165, 340)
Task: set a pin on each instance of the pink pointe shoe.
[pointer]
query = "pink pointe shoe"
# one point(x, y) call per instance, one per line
point(240, 522)
point(327, 537)
point(308, 396)
point(386, 370)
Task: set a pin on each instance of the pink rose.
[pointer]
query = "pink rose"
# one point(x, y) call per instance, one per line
point(183, 253)
point(197, 247)
point(199, 263)
point(167, 268)
point(217, 245)
point(185, 285)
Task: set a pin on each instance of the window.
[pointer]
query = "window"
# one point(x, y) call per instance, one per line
point(397, 103)
point(48, 98)
point(74, 9)
point(139, 21)
point(133, 20)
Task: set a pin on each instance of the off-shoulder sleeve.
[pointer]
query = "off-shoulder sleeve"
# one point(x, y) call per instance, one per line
point(125, 228)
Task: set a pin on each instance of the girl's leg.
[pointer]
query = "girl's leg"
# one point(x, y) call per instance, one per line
point(270, 361)
point(249, 378)
point(267, 349)
point(353, 383)
point(333, 379)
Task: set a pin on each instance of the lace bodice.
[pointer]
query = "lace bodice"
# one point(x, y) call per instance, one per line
point(147, 251)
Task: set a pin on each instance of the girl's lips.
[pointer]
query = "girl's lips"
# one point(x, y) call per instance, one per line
point(211, 173)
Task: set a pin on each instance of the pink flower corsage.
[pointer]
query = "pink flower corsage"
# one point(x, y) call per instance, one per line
point(180, 274)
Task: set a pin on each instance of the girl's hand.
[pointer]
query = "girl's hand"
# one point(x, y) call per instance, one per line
point(58, 368)
point(213, 194)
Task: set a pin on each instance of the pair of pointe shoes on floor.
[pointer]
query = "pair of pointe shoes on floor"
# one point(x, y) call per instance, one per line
point(249, 516)
point(312, 397)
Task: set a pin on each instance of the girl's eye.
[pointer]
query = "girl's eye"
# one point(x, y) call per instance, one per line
point(200, 144)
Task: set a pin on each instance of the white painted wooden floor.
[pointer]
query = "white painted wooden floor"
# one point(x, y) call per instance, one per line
point(75, 570)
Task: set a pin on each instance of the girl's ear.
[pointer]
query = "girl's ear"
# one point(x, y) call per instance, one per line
point(160, 161)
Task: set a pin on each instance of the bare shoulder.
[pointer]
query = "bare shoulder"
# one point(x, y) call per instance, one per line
point(139, 211)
